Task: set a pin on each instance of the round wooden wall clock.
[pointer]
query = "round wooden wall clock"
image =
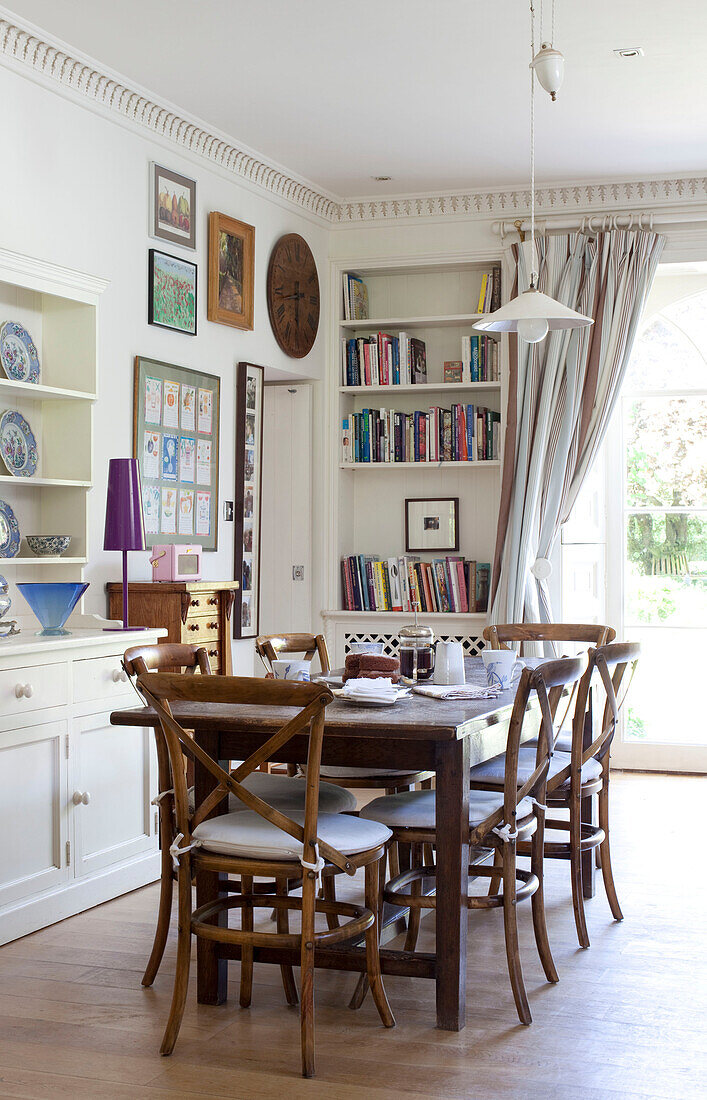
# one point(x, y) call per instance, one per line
point(293, 295)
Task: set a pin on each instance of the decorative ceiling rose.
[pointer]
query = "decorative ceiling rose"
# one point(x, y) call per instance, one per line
point(533, 314)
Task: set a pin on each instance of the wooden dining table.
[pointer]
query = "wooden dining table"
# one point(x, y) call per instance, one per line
point(417, 733)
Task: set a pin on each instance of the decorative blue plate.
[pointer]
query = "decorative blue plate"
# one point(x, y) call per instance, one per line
point(18, 446)
point(18, 354)
point(9, 532)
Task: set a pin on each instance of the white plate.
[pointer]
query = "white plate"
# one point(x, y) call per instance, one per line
point(361, 701)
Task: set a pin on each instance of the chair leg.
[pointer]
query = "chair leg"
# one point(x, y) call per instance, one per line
point(510, 927)
point(329, 894)
point(538, 900)
point(604, 849)
point(246, 950)
point(309, 888)
point(283, 925)
point(373, 963)
point(164, 914)
point(359, 993)
point(495, 880)
point(416, 890)
point(181, 975)
point(575, 835)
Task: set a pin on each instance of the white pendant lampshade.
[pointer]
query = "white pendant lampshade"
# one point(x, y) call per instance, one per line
point(549, 66)
point(529, 313)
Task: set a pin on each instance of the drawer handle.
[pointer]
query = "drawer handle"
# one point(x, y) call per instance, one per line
point(212, 626)
point(24, 691)
point(193, 626)
point(119, 674)
point(81, 798)
point(212, 652)
point(195, 603)
point(212, 601)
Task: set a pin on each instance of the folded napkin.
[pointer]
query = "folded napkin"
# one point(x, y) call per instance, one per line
point(457, 691)
point(382, 690)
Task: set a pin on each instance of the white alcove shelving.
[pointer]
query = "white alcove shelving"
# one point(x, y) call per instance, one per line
point(59, 308)
point(433, 299)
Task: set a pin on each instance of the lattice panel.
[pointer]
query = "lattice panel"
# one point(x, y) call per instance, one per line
point(472, 645)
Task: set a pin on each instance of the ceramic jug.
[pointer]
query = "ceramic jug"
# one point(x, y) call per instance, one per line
point(449, 663)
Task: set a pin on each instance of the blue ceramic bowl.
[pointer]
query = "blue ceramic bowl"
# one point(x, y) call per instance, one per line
point(52, 602)
point(48, 545)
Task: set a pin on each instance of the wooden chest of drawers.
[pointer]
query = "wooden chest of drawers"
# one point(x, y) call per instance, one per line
point(194, 612)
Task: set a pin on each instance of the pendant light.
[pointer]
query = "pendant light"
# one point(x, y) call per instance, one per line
point(533, 314)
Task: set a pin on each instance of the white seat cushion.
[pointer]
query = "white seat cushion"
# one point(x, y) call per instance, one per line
point(417, 809)
point(492, 772)
point(342, 773)
point(286, 793)
point(248, 834)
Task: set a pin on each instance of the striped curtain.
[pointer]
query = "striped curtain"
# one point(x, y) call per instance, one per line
point(562, 393)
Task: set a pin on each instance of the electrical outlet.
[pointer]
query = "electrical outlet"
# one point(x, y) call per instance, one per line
point(297, 572)
point(228, 511)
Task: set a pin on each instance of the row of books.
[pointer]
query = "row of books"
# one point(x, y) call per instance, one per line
point(383, 360)
point(449, 585)
point(490, 291)
point(479, 361)
point(464, 433)
point(355, 298)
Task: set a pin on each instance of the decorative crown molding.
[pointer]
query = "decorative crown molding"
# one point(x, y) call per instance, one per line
point(50, 63)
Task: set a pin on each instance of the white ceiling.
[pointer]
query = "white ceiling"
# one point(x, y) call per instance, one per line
point(431, 92)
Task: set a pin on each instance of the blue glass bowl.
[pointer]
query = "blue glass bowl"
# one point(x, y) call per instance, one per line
point(52, 602)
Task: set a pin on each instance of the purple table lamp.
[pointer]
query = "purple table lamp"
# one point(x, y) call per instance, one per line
point(125, 528)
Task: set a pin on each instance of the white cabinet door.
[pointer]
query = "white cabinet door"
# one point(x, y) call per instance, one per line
point(110, 792)
point(33, 797)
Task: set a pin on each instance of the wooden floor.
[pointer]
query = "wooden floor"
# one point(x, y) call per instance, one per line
point(627, 1019)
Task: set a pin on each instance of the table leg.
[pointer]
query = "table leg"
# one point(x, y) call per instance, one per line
point(211, 971)
point(452, 832)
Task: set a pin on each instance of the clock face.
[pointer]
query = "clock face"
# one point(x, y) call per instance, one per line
point(293, 295)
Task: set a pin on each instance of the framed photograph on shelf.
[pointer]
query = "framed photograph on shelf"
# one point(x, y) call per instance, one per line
point(176, 442)
point(171, 292)
point(249, 465)
point(231, 271)
point(172, 206)
point(431, 524)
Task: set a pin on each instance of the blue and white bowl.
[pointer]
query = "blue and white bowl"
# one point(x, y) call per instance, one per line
point(46, 546)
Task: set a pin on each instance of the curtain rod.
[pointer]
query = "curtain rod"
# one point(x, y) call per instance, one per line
point(599, 223)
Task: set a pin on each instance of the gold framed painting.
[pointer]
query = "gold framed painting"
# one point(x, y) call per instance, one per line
point(231, 271)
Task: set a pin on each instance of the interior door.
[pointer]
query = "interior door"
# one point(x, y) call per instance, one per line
point(286, 537)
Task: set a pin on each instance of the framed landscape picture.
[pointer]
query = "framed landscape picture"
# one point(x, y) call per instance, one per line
point(231, 271)
point(249, 463)
point(176, 442)
point(171, 292)
point(172, 207)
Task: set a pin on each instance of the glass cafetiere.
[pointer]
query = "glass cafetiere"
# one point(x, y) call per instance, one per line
point(417, 654)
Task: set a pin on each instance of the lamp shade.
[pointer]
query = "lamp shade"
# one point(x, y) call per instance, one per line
point(532, 305)
point(125, 528)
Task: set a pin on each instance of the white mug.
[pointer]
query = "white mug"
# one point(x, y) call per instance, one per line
point(449, 663)
point(499, 665)
point(291, 670)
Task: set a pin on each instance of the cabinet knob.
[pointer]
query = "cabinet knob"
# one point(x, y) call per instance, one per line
point(212, 652)
point(195, 603)
point(212, 626)
point(193, 626)
point(24, 691)
point(81, 798)
point(212, 601)
point(119, 674)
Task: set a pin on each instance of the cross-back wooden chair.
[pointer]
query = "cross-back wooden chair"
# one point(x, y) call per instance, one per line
point(498, 822)
point(287, 794)
point(260, 840)
point(578, 774)
point(270, 647)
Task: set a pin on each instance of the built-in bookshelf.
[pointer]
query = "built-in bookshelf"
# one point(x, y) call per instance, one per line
point(437, 303)
point(59, 309)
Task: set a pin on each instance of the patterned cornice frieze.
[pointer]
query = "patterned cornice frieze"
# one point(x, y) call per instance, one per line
point(21, 47)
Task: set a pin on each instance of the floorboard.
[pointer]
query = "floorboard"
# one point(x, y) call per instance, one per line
point(626, 1021)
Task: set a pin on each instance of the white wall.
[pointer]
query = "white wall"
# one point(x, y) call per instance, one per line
point(75, 192)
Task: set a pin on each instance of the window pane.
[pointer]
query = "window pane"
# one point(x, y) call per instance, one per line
point(666, 452)
point(658, 709)
point(665, 358)
point(666, 568)
point(690, 315)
